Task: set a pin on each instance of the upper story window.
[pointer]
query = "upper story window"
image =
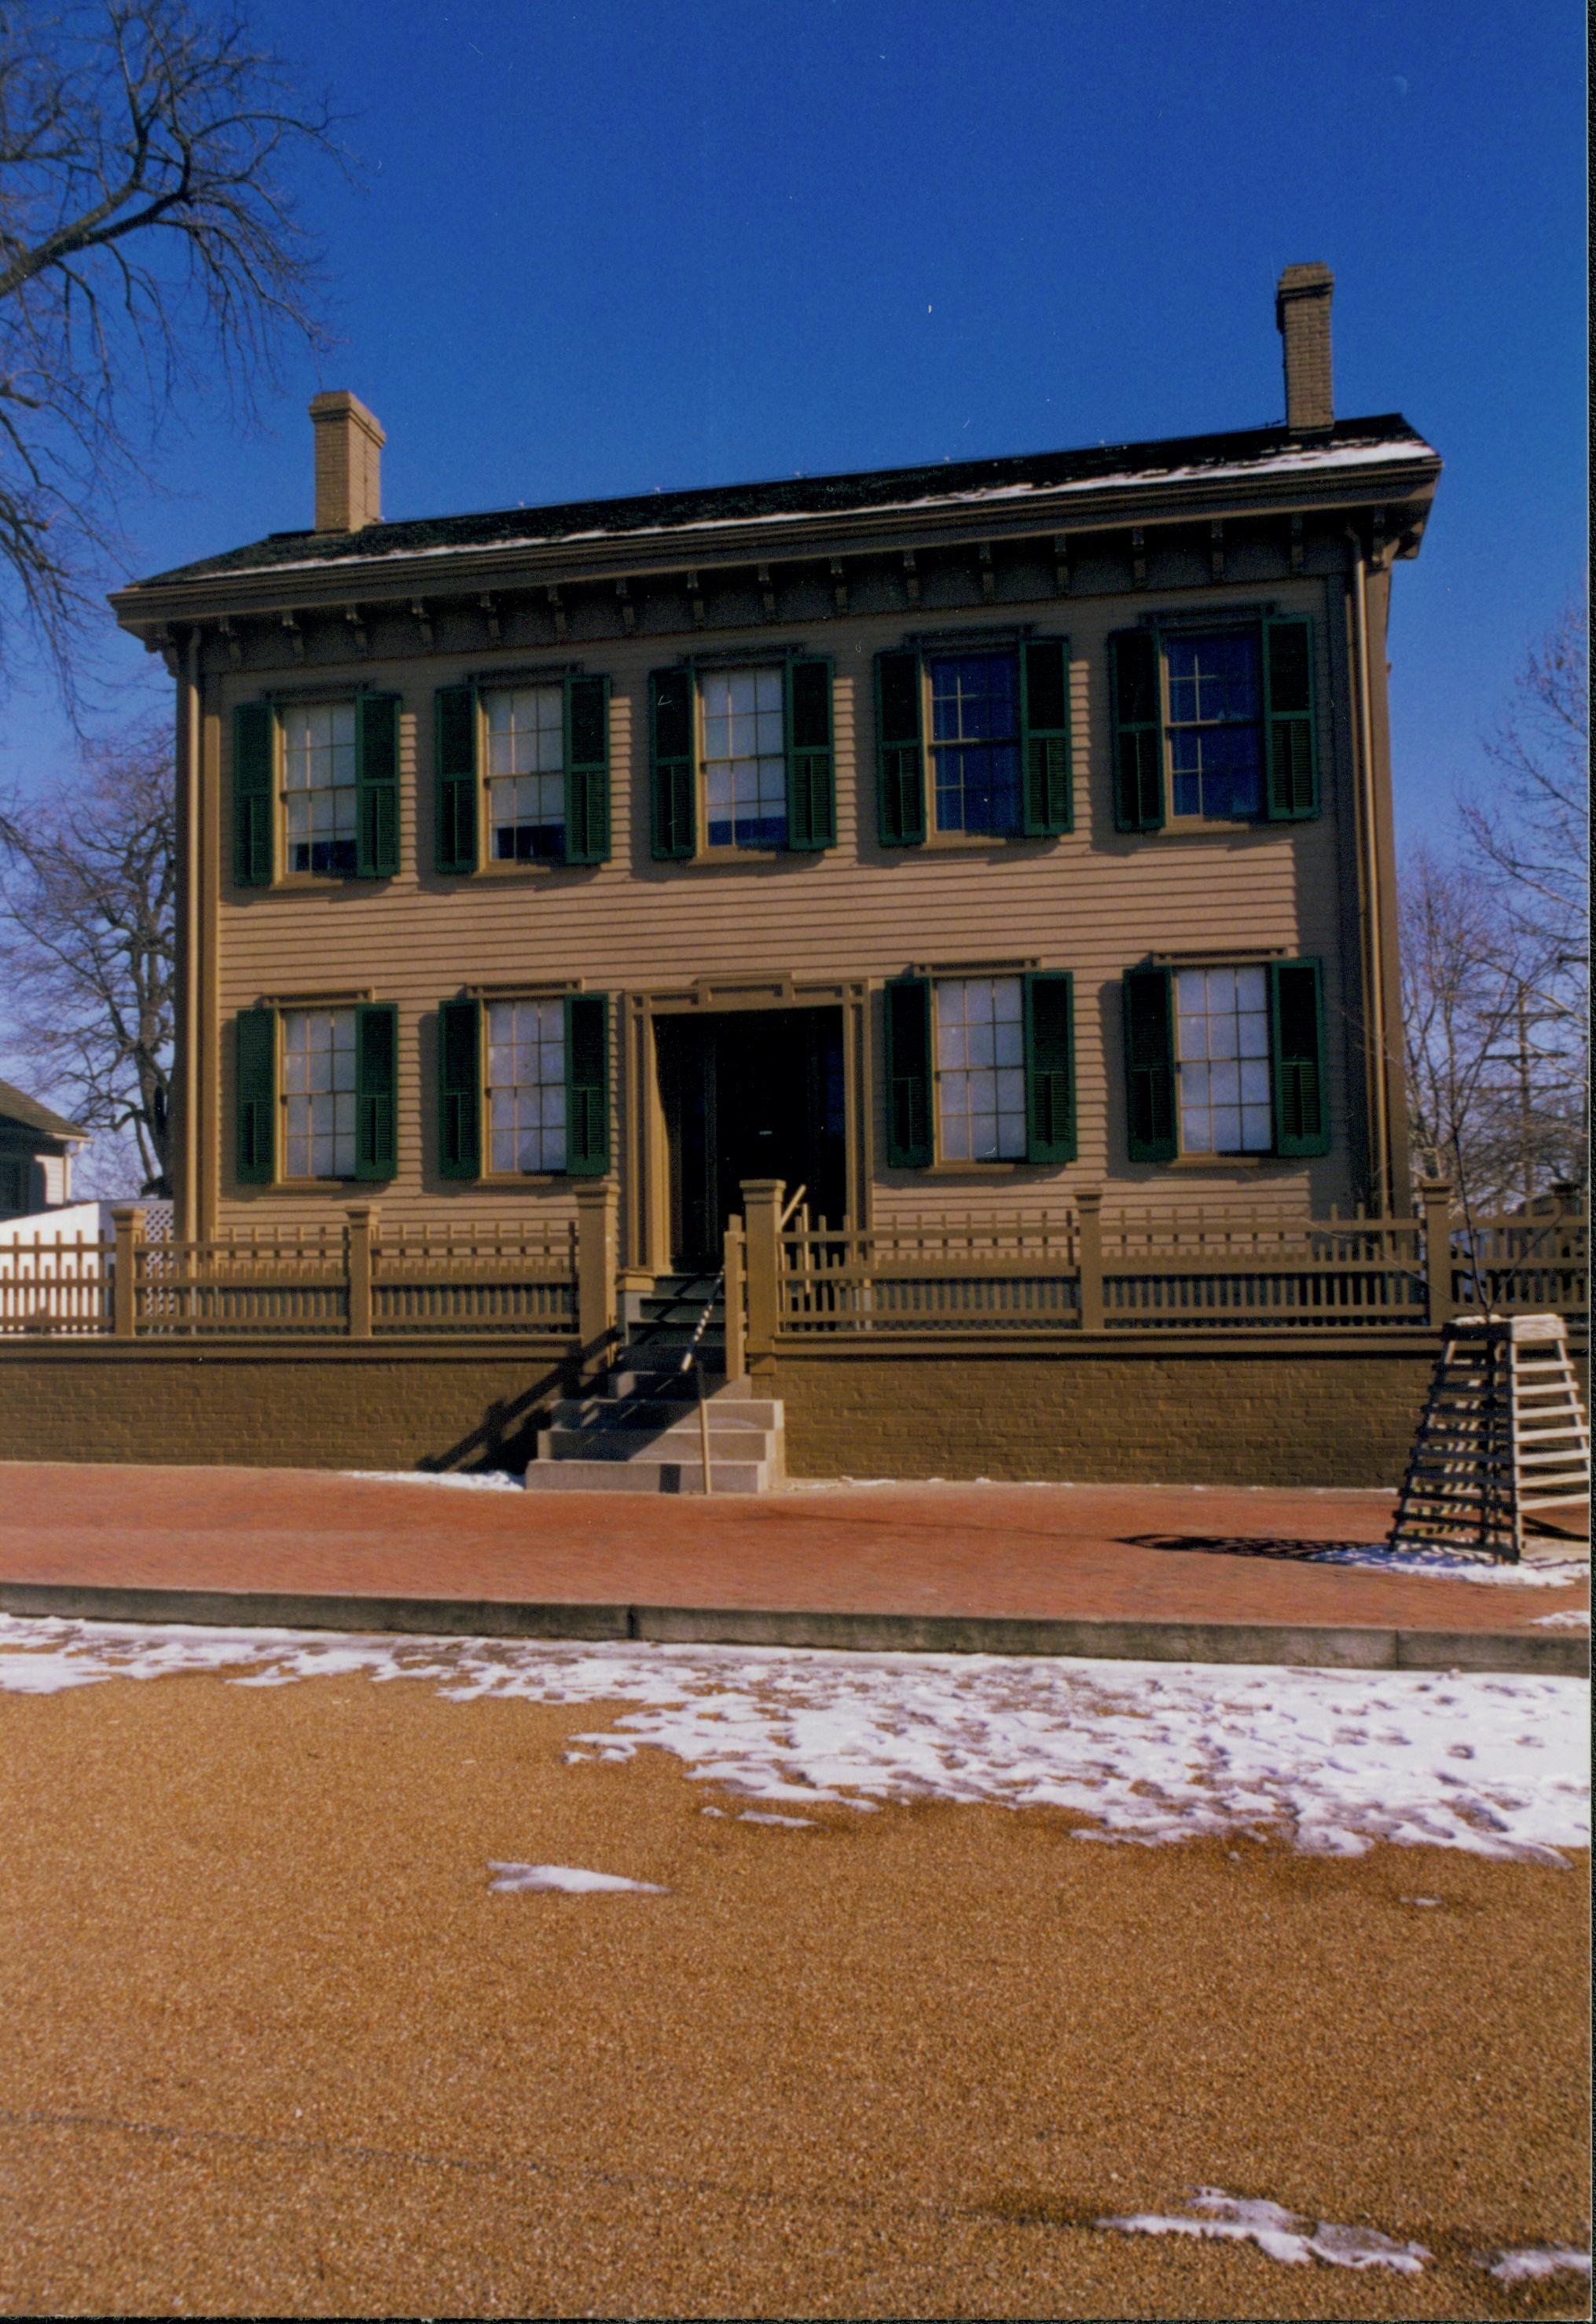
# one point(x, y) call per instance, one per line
point(522, 773)
point(1213, 726)
point(319, 788)
point(741, 759)
point(526, 1084)
point(527, 774)
point(316, 790)
point(974, 742)
point(318, 1092)
point(745, 758)
point(1215, 742)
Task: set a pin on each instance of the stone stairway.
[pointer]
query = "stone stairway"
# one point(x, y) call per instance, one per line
point(639, 1430)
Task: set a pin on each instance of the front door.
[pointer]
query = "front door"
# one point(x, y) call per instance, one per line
point(749, 1093)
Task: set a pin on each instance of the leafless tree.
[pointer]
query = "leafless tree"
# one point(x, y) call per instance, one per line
point(87, 942)
point(1527, 825)
point(149, 237)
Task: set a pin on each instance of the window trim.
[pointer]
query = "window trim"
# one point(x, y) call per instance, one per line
point(786, 661)
point(594, 1161)
point(1261, 624)
point(591, 775)
point(1035, 829)
point(252, 1108)
point(1311, 1141)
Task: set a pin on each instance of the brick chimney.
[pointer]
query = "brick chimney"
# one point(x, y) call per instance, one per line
point(1302, 317)
point(349, 441)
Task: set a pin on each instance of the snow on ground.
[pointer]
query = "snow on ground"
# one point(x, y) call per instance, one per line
point(1538, 2260)
point(1449, 1565)
point(1281, 2234)
point(490, 1480)
point(1571, 1619)
point(570, 1878)
point(1329, 1761)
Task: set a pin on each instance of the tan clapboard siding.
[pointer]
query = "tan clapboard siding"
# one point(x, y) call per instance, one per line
point(1094, 901)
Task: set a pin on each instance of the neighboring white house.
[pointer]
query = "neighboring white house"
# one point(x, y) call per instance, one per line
point(56, 1265)
point(36, 1150)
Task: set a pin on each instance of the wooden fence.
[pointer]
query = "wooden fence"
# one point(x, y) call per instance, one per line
point(948, 1276)
point(335, 1279)
point(1010, 1276)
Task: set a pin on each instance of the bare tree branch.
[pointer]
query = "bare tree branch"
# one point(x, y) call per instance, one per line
point(88, 942)
point(149, 239)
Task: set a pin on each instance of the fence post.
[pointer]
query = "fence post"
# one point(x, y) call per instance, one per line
point(596, 1211)
point(358, 1260)
point(1436, 1196)
point(127, 1219)
point(762, 1211)
point(731, 1302)
point(1089, 1212)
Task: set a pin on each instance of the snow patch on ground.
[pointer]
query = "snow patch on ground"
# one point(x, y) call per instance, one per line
point(490, 1480)
point(1537, 2260)
point(1279, 2233)
point(1570, 1619)
point(1451, 1564)
point(570, 1879)
point(1328, 1761)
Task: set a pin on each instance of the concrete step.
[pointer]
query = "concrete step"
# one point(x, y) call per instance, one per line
point(681, 1442)
point(647, 1476)
point(663, 1412)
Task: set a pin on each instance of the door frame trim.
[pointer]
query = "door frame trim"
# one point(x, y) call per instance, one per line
point(645, 1166)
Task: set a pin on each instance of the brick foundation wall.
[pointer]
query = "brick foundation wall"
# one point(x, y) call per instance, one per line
point(267, 1407)
point(1236, 1415)
point(1268, 1414)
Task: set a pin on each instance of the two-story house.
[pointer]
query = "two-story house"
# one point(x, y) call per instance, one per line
point(929, 838)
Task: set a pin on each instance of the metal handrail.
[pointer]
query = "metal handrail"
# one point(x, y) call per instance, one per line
point(690, 1356)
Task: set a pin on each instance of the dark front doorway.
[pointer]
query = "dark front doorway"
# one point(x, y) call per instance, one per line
point(749, 1093)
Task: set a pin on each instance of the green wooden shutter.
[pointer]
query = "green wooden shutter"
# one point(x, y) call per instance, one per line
point(454, 727)
point(1138, 730)
point(587, 770)
point(1296, 1025)
point(588, 1085)
point(900, 759)
point(255, 766)
point(908, 1073)
point(673, 763)
point(1043, 736)
point(254, 1055)
point(1292, 790)
point(376, 1089)
point(459, 1089)
point(1150, 1066)
point(811, 783)
point(376, 774)
point(1049, 1068)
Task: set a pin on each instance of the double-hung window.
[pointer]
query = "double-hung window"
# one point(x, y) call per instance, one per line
point(527, 773)
point(315, 1094)
point(1213, 725)
point(972, 741)
point(1225, 1060)
point(741, 759)
point(523, 1086)
point(522, 773)
point(319, 788)
point(316, 790)
point(980, 1069)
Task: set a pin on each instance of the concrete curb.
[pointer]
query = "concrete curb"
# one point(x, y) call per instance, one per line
point(1323, 1647)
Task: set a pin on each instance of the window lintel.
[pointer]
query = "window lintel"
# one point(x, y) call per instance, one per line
point(348, 996)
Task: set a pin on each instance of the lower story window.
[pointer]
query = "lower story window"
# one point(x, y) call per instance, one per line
point(527, 774)
point(526, 1084)
point(1222, 1060)
point(318, 1092)
point(975, 743)
point(980, 1069)
point(745, 758)
point(318, 787)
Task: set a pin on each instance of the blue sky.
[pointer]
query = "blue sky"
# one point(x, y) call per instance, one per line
point(618, 245)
